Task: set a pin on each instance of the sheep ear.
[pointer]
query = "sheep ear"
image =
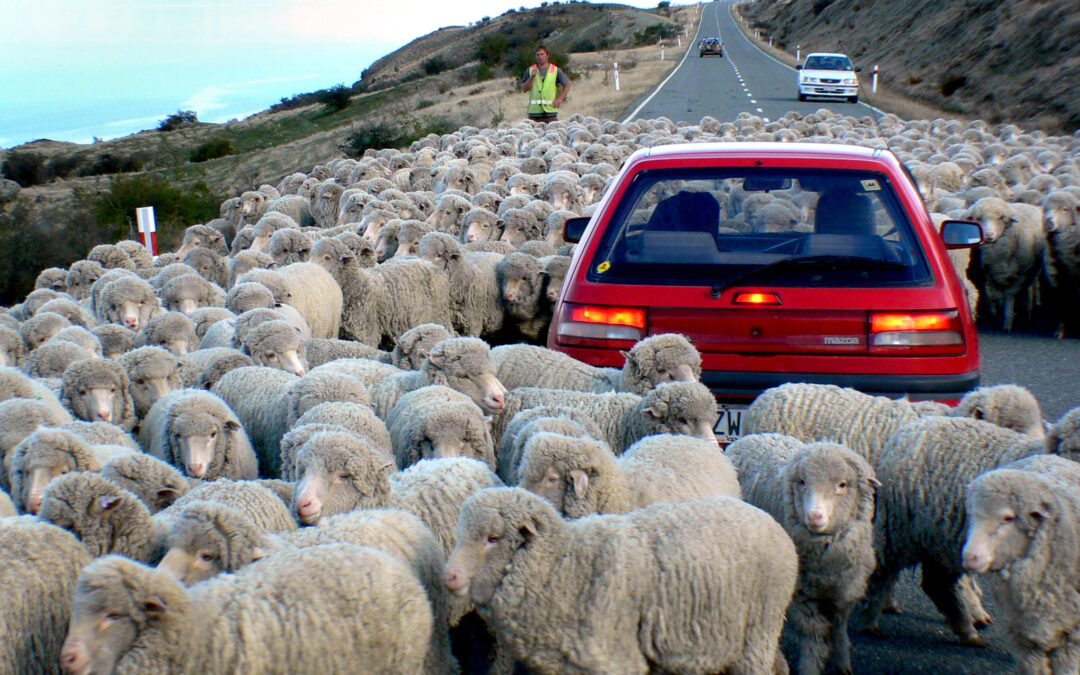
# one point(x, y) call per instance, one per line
point(873, 481)
point(155, 606)
point(977, 414)
point(107, 503)
point(258, 553)
point(167, 496)
point(581, 482)
point(232, 426)
point(653, 412)
point(529, 529)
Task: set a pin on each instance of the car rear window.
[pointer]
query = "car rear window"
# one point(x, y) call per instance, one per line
point(760, 226)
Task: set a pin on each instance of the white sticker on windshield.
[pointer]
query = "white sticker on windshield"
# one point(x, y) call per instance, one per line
point(870, 185)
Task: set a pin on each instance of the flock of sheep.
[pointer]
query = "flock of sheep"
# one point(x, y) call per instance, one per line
point(299, 420)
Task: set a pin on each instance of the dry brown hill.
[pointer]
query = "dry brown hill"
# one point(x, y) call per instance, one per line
point(1001, 60)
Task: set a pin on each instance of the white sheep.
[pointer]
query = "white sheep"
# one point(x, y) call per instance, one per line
point(1011, 255)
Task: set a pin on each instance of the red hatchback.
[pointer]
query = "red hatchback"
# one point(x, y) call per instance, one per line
point(781, 263)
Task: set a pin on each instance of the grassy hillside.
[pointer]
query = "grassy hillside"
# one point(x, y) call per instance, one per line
point(1001, 60)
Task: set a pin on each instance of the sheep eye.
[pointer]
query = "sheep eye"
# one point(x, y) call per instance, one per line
point(206, 556)
point(493, 539)
point(272, 357)
point(140, 381)
point(842, 485)
point(802, 483)
point(114, 616)
point(82, 392)
point(213, 435)
point(1009, 518)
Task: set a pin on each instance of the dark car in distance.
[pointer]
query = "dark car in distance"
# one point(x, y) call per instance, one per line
point(780, 262)
point(711, 46)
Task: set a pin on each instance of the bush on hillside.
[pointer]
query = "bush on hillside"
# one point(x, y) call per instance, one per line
point(335, 98)
point(179, 119)
point(378, 134)
point(109, 163)
point(212, 149)
point(25, 168)
point(435, 65)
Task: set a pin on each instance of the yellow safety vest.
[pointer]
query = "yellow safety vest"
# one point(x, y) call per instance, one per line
point(542, 96)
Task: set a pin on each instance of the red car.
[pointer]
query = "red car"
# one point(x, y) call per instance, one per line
point(782, 263)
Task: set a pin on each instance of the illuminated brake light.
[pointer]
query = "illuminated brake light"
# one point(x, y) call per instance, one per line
point(755, 298)
point(917, 333)
point(598, 325)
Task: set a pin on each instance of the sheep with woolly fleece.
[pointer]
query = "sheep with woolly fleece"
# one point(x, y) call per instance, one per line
point(363, 249)
point(660, 572)
point(386, 242)
point(51, 359)
point(1011, 254)
point(212, 364)
point(436, 421)
point(479, 224)
point(127, 300)
point(208, 539)
point(54, 278)
point(202, 236)
point(39, 329)
point(1061, 262)
point(1022, 540)
point(325, 204)
point(157, 484)
point(35, 613)
point(7, 507)
point(152, 373)
point(521, 281)
point(338, 579)
point(173, 331)
point(524, 425)
point(556, 267)
point(271, 279)
point(823, 495)
point(170, 272)
point(316, 296)
point(245, 261)
point(317, 351)
point(463, 364)
point(208, 264)
point(915, 526)
point(252, 206)
point(351, 206)
point(187, 293)
point(77, 314)
point(247, 296)
point(74, 334)
point(275, 344)
point(12, 348)
point(448, 214)
point(111, 256)
point(289, 246)
point(367, 371)
point(20, 417)
point(81, 276)
point(294, 207)
point(408, 238)
point(519, 226)
point(503, 248)
point(1006, 405)
point(686, 408)
point(384, 302)
point(667, 357)
point(372, 223)
point(200, 435)
point(537, 248)
point(47, 453)
point(15, 384)
point(580, 476)
point(474, 291)
point(355, 419)
point(98, 389)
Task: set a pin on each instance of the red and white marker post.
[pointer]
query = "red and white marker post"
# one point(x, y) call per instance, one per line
point(144, 216)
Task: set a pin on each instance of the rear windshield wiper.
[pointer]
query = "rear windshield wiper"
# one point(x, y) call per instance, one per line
point(834, 261)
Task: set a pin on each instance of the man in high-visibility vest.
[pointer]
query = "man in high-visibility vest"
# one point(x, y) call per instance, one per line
point(547, 85)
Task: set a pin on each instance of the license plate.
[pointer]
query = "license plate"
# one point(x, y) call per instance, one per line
point(728, 427)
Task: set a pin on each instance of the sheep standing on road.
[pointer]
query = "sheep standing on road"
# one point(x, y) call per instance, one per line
point(1011, 255)
point(98, 390)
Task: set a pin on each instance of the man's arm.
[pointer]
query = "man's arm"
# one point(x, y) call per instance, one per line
point(564, 81)
point(527, 83)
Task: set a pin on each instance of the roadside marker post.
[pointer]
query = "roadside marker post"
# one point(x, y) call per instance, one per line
point(661, 51)
point(144, 216)
point(874, 87)
point(798, 53)
point(616, 76)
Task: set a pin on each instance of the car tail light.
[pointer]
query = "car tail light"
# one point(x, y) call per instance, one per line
point(600, 325)
point(756, 298)
point(913, 333)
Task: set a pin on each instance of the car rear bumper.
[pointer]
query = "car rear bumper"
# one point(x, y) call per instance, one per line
point(743, 385)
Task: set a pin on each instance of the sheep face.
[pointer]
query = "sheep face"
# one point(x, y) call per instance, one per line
point(1005, 511)
point(150, 384)
point(11, 348)
point(481, 227)
point(469, 370)
point(387, 242)
point(208, 264)
point(131, 312)
point(995, 216)
point(202, 237)
point(824, 490)
point(289, 246)
point(1061, 212)
point(198, 441)
point(447, 214)
point(521, 281)
point(44, 455)
point(209, 539)
point(408, 239)
point(686, 408)
point(659, 359)
point(453, 431)
point(96, 394)
point(335, 473)
point(81, 277)
point(372, 224)
point(276, 344)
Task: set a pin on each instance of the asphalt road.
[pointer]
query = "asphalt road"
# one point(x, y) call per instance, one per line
point(745, 79)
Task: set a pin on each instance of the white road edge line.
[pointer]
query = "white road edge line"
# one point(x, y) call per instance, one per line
point(660, 86)
point(731, 9)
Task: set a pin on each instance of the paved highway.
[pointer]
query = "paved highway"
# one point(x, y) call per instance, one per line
point(745, 79)
point(748, 80)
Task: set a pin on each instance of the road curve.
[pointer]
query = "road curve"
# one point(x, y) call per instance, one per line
point(745, 79)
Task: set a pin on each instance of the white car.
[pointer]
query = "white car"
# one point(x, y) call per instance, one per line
point(828, 75)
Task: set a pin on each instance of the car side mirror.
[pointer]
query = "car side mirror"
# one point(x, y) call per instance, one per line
point(858, 69)
point(961, 233)
point(798, 66)
point(573, 228)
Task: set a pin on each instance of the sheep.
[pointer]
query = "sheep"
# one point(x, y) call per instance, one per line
point(211, 364)
point(128, 301)
point(581, 476)
point(12, 348)
point(462, 364)
point(247, 296)
point(338, 472)
point(15, 384)
point(1061, 262)
point(519, 226)
point(1011, 254)
point(317, 351)
point(538, 248)
point(1005, 405)
point(663, 603)
point(245, 261)
point(70, 310)
point(372, 223)
point(200, 435)
point(666, 357)
point(339, 579)
point(39, 329)
point(98, 389)
point(202, 236)
point(111, 257)
point(52, 358)
point(152, 373)
point(474, 291)
point(358, 419)
point(687, 408)
point(316, 296)
point(210, 265)
point(208, 539)
point(115, 340)
point(436, 421)
point(19, 418)
point(7, 507)
point(386, 242)
point(823, 495)
point(77, 335)
point(412, 347)
point(275, 344)
point(363, 249)
point(1022, 541)
point(39, 565)
point(187, 293)
point(408, 238)
point(157, 484)
point(294, 207)
point(81, 276)
point(521, 281)
point(53, 278)
point(388, 300)
point(917, 526)
point(47, 453)
point(170, 272)
point(448, 214)
point(289, 246)
point(479, 224)
point(524, 425)
point(171, 330)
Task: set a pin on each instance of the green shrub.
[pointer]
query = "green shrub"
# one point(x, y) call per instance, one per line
point(335, 98)
point(180, 118)
point(109, 163)
point(212, 149)
point(25, 168)
point(435, 65)
point(62, 166)
point(492, 49)
point(380, 134)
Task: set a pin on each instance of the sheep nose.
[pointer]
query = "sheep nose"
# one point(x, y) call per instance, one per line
point(196, 470)
point(104, 415)
point(300, 372)
point(470, 237)
point(131, 322)
point(498, 402)
point(455, 581)
point(35, 505)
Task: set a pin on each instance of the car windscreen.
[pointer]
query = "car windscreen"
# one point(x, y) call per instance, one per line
point(760, 226)
point(827, 63)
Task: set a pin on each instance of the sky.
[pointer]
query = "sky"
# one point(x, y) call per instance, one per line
point(79, 69)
